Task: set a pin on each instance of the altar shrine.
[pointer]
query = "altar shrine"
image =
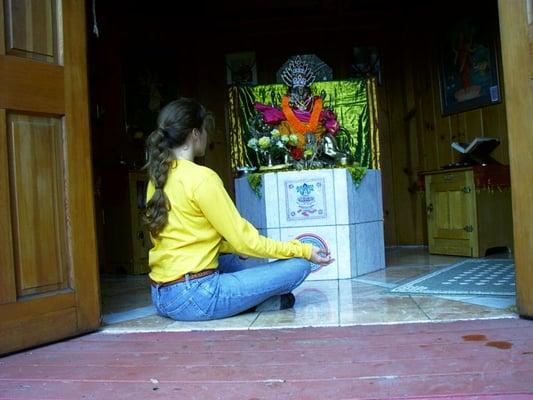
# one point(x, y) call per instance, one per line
point(308, 156)
point(325, 208)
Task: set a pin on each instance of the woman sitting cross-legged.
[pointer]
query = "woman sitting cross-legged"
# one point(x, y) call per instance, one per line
point(193, 221)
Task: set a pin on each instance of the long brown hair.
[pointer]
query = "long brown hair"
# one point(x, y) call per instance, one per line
point(174, 124)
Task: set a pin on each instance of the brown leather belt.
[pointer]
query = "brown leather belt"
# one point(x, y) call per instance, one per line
point(196, 275)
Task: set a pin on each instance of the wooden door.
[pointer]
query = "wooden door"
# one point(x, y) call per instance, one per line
point(451, 213)
point(48, 260)
point(516, 30)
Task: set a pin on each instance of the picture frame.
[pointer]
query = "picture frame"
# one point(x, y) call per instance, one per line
point(468, 67)
point(147, 87)
point(366, 62)
point(241, 69)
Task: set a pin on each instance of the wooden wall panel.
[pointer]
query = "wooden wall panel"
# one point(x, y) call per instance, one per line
point(421, 136)
point(430, 105)
point(386, 165)
point(37, 187)
point(392, 128)
point(440, 137)
point(495, 124)
point(473, 124)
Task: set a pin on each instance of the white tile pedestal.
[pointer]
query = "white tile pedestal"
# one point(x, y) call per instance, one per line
point(325, 208)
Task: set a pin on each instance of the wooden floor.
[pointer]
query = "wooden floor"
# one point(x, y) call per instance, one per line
point(483, 359)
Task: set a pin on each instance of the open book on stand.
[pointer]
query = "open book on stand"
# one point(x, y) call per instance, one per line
point(476, 152)
point(480, 145)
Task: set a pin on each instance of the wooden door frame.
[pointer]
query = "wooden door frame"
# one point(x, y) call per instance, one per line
point(517, 58)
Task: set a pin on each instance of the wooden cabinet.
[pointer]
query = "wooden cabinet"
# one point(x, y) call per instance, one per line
point(468, 210)
point(140, 237)
point(126, 239)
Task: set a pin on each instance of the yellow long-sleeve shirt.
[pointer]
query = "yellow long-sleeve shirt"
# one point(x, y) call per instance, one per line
point(203, 222)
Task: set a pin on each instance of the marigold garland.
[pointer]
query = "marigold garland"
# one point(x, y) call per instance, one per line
point(299, 126)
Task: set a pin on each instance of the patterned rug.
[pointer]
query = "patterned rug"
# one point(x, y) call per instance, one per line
point(474, 276)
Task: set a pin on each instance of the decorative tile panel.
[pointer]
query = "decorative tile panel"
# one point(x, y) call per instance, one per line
point(320, 236)
point(305, 199)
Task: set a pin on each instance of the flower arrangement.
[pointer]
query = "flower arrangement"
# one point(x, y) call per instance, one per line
point(273, 147)
point(283, 139)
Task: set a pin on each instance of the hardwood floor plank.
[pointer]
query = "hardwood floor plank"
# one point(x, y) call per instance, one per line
point(429, 368)
point(441, 353)
point(450, 360)
point(324, 332)
point(432, 345)
point(465, 385)
point(167, 338)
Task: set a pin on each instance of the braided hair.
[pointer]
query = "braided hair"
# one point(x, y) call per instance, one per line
point(174, 124)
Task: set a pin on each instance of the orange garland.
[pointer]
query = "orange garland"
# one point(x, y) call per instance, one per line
point(299, 126)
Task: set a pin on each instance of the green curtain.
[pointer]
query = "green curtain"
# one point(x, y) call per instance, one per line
point(347, 98)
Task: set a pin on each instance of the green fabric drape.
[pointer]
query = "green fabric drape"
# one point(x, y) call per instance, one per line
point(347, 98)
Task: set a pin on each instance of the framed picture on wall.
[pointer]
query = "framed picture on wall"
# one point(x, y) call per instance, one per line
point(468, 69)
point(241, 69)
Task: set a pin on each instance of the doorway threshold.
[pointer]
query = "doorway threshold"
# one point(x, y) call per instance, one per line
point(365, 300)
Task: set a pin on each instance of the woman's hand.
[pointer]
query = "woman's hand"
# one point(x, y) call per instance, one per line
point(319, 256)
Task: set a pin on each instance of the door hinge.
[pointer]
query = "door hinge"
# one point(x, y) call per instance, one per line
point(469, 228)
point(466, 189)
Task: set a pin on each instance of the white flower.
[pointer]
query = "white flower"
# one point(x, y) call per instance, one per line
point(252, 143)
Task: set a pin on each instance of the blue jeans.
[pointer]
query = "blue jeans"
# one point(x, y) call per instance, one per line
point(232, 289)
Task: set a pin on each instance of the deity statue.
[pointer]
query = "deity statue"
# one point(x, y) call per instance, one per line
point(303, 113)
